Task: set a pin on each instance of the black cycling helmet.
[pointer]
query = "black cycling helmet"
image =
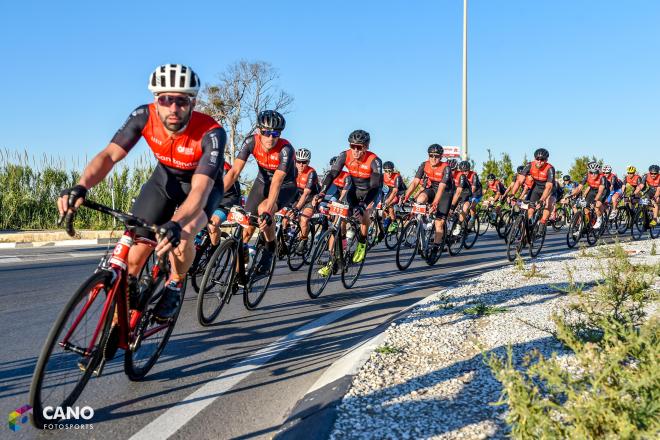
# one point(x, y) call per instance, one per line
point(520, 169)
point(541, 154)
point(654, 169)
point(360, 137)
point(271, 120)
point(333, 160)
point(491, 176)
point(435, 149)
point(566, 178)
point(388, 166)
point(464, 165)
point(453, 163)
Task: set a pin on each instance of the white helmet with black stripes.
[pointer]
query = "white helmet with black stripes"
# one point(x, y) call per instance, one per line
point(174, 78)
point(303, 155)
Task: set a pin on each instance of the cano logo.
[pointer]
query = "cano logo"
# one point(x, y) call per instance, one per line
point(18, 417)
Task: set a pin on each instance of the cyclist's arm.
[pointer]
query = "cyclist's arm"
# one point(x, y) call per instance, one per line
point(333, 172)
point(412, 187)
point(549, 185)
point(274, 191)
point(303, 198)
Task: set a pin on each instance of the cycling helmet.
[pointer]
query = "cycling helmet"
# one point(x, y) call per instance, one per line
point(360, 137)
point(464, 165)
point(435, 149)
point(631, 169)
point(566, 178)
point(654, 169)
point(520, 169)
point(388, 166)
point(607, 169)
point(303, 155)
point(593, 167)
point(174, 78)
point(541, 154)
point(453, 163)
point(271, 120)
point(491, 176)
point(333, 160)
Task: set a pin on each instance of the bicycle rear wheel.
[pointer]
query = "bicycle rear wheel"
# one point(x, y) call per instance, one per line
point(484, 221)
point(574, 230)
point(150, 336)
point(351, 270)
point(502, 221)
point(217, 283)
point(538, 238)
point(515, 238)
point(196, 271)
point(321, 258)
point(622, 220)
point(407, 246)
point(638, 224)
point(471, 233)
point(62, 371)
point(257, 283)
point(392, 238)
point(455, 239)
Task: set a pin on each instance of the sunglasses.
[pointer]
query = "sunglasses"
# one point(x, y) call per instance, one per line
point(356, 146)
point(270, 133)
point(435, 156)
point(301, 163)
point(168, 100)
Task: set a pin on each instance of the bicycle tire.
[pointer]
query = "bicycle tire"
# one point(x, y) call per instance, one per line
point(295, 260)
point(638, 226)
point(401, 262)
point(52, 341)
point(515, 238)
point(455, 242)
point(623, 219)
point(392, 238)
point(320, 247)
point(484, 221)
point(502, 220)
point(575, 228)
point(349, 279)
point(211, 278)
point(252, 303)
point(537, 240)
point(468, 243)
point(197, 269)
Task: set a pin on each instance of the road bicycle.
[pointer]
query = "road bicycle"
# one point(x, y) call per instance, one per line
point(582, 225)
point(643, 220)
point(234, 268)
point(103, 315)
point(417, 237)
point(526, 231)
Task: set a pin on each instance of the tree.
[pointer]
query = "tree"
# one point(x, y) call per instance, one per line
point(579, 168)
point(506, 168)
point(490, 167)
point(242, 91)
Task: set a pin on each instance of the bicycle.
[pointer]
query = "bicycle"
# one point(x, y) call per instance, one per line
point(642, 219)
point(417, 236)
point(562, 217)
point(392, 236)
point(203, 251)
point(625, 212)
point(336, 256)
point(229, 270)
point(525, 232)
point(100, 318)
point(582, 225)
point(288, 238)
point(376, 232)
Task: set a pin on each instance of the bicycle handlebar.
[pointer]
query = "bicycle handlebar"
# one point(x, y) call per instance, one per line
point(129, 220)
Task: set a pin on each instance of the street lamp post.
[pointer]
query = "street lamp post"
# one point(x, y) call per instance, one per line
point(465, 134)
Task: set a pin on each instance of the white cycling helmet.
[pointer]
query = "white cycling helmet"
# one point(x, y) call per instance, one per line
point(303, 155)
point(593, 167)
point(174, 78)
point(607, 169)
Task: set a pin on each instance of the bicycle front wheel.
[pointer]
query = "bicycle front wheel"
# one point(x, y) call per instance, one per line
point(537, 240)
point(622, 219)
point(216, 285)
point(65, 366)
point(258, 281)
point(471, 233)
point(638, 224)
point(351, 269)
point(320, 266)
point(407, 247)
point(574, 230)
point(515, 238)
point(484, 221)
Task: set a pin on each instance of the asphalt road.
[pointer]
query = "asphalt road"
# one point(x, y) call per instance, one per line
point(245, 377)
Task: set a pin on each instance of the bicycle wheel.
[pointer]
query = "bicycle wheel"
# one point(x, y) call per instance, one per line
point(471, 233)
point(312, 238)
point(515, 238)
point(392, 238)
point(560, 219)
point(502, 220)
point(622, 220)
point(61, 372)
point(217, 283)
point(150, 336)
point(538, 238)
point(372, 233)
point(638, 224)
point(196, 271)
point(591, 233)
point(575, 230)
point(654, 230)
point(351, 270)
point(296, 258)
point(257, 282)
point(455, 237)
point(432, 259)
point(407, 246)
point(321, 258)
point(484, 221)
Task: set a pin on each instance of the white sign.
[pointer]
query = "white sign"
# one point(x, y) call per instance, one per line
point(450, 151)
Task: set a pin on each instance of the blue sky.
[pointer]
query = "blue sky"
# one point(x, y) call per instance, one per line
point(578, 77)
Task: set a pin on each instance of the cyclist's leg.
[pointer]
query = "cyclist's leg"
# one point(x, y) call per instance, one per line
point(441, 214)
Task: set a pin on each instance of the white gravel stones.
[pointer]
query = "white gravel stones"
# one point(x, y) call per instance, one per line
point(432, 382)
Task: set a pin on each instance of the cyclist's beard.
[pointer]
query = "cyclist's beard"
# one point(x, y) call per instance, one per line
point(180, 124)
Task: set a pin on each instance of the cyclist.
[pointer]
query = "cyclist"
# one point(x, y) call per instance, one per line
point(275, 185)
point(650, 187)
point(616, 189)
point(438, 191)
point(340, 184)
point(520, 178)
point(633, 180)
point(366, 171)
point(394, 182)
point(231, 198)
point(186, 184)
point(598, 190)
point(541, 174)
point(307, 182)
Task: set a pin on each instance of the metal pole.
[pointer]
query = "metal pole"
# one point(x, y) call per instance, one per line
point(465, 133)
point(111, 182)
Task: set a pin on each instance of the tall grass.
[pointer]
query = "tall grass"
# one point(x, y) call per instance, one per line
point(30, 185)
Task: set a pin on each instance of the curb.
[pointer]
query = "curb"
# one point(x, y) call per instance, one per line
point(313, 416)
point(56, 243)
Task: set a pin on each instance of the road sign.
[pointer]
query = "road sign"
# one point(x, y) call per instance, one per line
point(450, 151)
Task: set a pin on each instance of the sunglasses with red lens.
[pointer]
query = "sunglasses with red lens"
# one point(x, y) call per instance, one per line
point(356, 146)
point(168, 100)
point(270, 133)
point(435, 156)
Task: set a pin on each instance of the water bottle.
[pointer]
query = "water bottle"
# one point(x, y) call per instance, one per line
point(428, 226)
point(350, 234)
point(251, 252)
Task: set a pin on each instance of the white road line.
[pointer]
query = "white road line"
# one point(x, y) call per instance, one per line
point(9, 260)
point(182, 412)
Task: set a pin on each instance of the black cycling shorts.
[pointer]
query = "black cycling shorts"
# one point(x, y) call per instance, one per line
point(430, 194)
point(162, 194)
point(536, 193)
point(355, 196)
point(259, 193)
point(465, 196)
point(591, 196)
point(444, 204)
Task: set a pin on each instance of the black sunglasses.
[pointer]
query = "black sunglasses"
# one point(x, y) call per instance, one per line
point(435, 156)
point(168, 100)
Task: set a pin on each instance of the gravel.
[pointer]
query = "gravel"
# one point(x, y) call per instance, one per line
point(430, 381)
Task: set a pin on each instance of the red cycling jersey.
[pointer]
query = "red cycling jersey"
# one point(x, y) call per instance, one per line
point(390, 179)
point(652, 181)
point(302, 178)
point(360, 168)
point(633, 180)
point(270, 159)
point(540, 174)
point(594, 180)
point(183, 150)
point(434, 174)
point(340, 180)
